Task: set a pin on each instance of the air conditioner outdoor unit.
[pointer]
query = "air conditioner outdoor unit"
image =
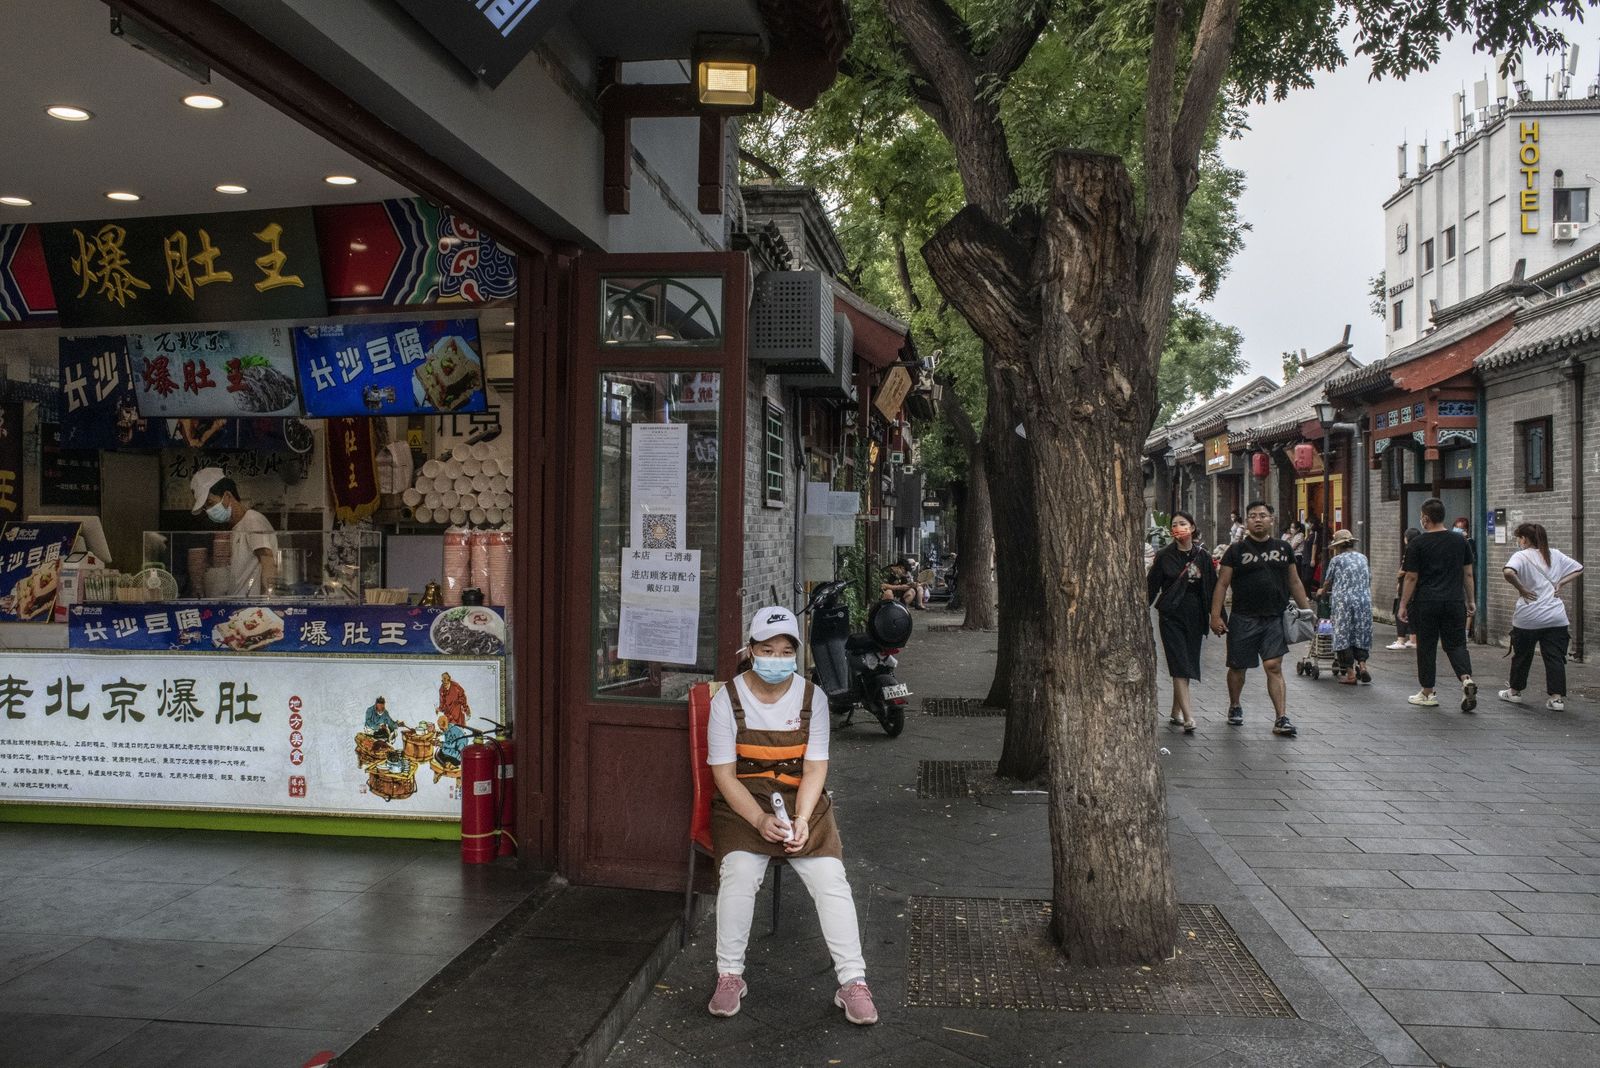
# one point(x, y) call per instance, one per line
point(1567, 231)
point(792, 323)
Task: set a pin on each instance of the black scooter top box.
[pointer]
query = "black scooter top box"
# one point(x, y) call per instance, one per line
point(889, 624)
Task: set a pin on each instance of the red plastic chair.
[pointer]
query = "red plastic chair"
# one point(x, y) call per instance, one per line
point(704, 789)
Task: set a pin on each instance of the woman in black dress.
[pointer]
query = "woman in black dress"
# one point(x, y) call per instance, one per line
point(1179, 585)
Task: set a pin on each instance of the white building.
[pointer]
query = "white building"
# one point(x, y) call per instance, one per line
point(1515, 187)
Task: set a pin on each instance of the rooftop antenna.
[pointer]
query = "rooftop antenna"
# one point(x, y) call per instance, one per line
point(1571, 68)
point(1480, 94)
point(1400, 159)
point(1458, 110)
point(1501, 69)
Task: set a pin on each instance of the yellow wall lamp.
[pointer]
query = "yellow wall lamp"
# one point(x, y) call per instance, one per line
point(727, 81)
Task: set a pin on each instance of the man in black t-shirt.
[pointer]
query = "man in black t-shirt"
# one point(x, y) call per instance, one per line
point(1261, 571)
point(1437, 599)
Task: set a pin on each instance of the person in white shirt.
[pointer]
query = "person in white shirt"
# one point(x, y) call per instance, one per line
point(1538, 573)
point(767, 745)
point(253, 562)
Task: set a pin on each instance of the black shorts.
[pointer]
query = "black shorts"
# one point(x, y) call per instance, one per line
point(1253, 639)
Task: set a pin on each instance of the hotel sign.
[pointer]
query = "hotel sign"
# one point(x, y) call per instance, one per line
point(1528, 197)
point(1218, 458)
point(489, 36)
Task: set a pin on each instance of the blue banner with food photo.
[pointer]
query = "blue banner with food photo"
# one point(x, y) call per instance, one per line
point(221, 627)
point(406, 368)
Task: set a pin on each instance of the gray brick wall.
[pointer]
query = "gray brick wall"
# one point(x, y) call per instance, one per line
point(1529, 391)
point(769, 533)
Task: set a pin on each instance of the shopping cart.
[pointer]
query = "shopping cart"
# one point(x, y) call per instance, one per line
point(1319, 651)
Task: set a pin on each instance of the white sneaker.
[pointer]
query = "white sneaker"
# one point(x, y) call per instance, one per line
point(1426, 700)
point(1469, 695)
point(1556, 704)
point(1513, 696)
point(1396, 644)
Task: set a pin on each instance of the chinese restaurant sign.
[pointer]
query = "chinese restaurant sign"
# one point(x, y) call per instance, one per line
point(11, 466)
point(369, 369)
point(489, 36)
point(210, 373)
point(186, 269)
point(98, 409)
point(200, 627)
point(31, 555)
point(298, 735)
point(1218, 458)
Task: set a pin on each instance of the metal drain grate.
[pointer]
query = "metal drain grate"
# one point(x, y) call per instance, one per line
point(994, 953)
point(949, 778)
point(958, 706)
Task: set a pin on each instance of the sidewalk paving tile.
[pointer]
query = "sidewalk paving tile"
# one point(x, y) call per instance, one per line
point(33, 1040)
point(1392, 973)
point(134, 978)
point(1460, 1009)
point(1537, 949)
point(1480, 1047)
point(1421, 922)
point(1414, 945)
point(185, 1045)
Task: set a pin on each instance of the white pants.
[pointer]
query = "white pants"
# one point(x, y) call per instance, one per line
point(742, 874)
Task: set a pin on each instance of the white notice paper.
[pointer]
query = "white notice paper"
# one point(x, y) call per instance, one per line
point(667, 634)
point(660, 605)
point(658, 485)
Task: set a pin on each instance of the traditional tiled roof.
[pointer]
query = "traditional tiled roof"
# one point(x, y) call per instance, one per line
point(1186, 422)
point(1561, 323)
point(1377, 375)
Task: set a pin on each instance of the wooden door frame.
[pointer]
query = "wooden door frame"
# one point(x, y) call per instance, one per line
point(589, 360)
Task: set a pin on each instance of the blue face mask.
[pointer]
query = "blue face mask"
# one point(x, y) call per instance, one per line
point(774, 669)
point(218, 513)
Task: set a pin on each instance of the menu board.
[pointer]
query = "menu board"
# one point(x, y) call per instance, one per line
point(215, 373)
point(67, 477)
point(351, 369)
point(31, 555)
point(369, 735)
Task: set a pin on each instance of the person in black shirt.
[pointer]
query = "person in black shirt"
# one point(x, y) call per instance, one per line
point(1438, 600)
point(1179, 586)
point(1262, 573)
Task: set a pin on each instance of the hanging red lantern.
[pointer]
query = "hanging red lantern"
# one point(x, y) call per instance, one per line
point(1305, 457)
point(1260, 465)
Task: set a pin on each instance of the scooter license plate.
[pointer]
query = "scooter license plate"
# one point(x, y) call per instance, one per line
point(892, 692)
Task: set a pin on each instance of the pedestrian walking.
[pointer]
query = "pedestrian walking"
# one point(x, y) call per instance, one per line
point(1179, 584)
point(768, 737)
point(1236, 529)
point(1347, 580)
point(1538, 573)
point(1405, 637)
point(1261, 571)
point(1314, 557)
point(1438, 598)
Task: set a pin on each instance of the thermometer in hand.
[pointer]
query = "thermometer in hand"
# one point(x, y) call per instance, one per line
point(781, 811)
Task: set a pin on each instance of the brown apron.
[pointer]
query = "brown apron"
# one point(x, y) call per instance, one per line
point(768, 761)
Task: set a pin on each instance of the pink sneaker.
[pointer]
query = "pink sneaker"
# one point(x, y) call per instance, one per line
point(730, 989)
point(856, 1001)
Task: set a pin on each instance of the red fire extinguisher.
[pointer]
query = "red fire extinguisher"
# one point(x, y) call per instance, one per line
point(505, 793)
point(478, 832)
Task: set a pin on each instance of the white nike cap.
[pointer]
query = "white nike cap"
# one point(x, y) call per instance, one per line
point(772, 621)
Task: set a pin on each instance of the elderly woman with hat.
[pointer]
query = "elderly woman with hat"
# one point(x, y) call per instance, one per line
point(1349, 579)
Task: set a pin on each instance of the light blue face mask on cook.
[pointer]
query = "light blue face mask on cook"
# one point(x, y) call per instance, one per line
point(774, 669)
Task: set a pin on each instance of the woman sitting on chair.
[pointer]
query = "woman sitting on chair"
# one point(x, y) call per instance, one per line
point(767, 740)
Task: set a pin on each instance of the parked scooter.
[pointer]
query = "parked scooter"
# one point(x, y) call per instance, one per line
point(857, 670)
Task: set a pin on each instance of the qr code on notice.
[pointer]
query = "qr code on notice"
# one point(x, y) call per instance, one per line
point(660, 530)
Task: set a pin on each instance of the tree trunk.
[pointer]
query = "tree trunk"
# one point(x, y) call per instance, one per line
point(977, 547)
point(1089, 398)
point(1024, 753)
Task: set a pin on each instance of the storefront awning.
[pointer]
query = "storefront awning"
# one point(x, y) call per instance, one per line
point(880, 338)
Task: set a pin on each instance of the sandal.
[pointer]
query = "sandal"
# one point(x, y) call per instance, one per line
point(1175, 721)
point(1347, 680)
point(1188, 728)
point(1363, 675)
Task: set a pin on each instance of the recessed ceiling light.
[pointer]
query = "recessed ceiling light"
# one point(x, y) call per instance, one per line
point(231, 190)
point(125, 197)
point(204, 101)
point(67, 113)
point(340, 179)
point(16, 202)
point(511, 322)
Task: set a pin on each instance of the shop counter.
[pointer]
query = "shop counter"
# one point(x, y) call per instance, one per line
point(248, 716)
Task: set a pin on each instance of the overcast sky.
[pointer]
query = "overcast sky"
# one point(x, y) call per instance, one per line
point(1318, 167)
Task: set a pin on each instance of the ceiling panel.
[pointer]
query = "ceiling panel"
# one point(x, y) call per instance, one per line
point(143, 138)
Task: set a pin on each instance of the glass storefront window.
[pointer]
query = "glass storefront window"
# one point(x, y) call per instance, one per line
point(661, 312)
point(656, 533)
